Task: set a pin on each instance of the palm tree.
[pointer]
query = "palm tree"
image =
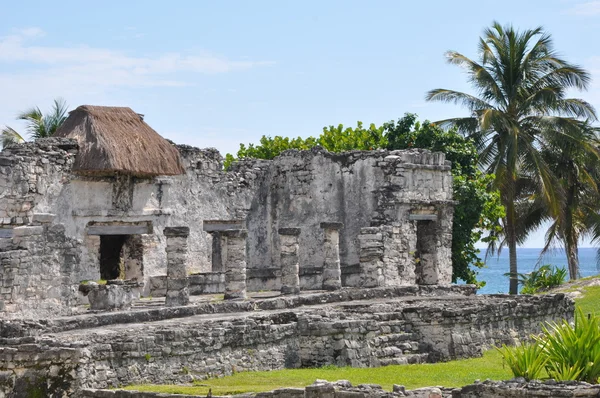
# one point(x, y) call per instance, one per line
point(38, 124)
point(578, 170)
point(9, 136)
point(520, 107)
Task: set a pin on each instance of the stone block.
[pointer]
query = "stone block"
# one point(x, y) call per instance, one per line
point(289, 231)
point(177, 231)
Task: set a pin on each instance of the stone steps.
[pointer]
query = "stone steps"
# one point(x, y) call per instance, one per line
point(398, 349)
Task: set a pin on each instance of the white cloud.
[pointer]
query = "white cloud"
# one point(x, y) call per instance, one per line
point(16, 48)
point(34, 74)
point(588, 8)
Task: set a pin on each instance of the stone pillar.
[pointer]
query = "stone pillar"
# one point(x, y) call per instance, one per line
point(235, 263)
point(332, 274)
point(290, 268)
point(371, 256)
point(177, 281)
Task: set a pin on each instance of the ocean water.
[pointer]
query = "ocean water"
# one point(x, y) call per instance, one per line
point(527, 259)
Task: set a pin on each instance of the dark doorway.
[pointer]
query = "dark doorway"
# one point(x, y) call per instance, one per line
point(111, 249)
point(425, 254)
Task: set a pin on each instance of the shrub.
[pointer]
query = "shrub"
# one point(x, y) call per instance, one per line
point(573, 350)
point(543, 278)
point(565, 351)
point(525, 361)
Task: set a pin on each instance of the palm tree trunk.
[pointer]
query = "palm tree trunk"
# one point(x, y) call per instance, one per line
point(511, 237)
point(571, 248)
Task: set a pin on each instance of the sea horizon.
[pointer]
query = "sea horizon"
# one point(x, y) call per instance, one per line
point(527, 260)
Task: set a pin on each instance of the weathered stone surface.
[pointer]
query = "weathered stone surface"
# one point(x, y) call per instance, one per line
point(344, 389)
point(177, 279)
point(111, 297)
point(332, 273)
point(177, 231)
point(288, 258)
point(235, 263)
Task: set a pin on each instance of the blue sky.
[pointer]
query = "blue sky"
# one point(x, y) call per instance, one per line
point(217, 73)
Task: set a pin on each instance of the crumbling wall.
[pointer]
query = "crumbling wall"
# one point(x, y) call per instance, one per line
point(297, 189)
point(358, 334)
point(360, 189)
point(37, 259)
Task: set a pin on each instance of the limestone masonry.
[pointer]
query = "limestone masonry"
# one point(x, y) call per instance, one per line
point(144, 261)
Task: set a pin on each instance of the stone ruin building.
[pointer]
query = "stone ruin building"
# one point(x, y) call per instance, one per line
point(109, 199)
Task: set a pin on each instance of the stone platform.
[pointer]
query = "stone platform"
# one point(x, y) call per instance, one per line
point(349, 327)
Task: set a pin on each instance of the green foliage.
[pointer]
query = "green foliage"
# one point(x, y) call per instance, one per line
point(334, 139)
point(525, 361)
point(542, 278)
point(270, 147)
point(565, 351)
point(340, 139)
point(521, 107)
point(38, 124)
point(573, 350)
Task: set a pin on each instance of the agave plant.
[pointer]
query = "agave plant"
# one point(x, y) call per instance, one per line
point(525, 361)
point(573, 351)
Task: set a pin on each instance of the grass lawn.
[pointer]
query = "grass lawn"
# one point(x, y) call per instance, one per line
point(449, 374)
point(590, 301)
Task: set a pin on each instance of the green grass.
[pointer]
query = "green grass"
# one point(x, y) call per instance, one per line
point(590, 301)
point(448, 374)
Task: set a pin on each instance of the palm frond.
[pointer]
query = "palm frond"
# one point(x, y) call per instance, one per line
point(9, 136)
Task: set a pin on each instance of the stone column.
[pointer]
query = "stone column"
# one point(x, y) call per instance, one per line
point(177, 281)
point(371, 256)
point(235, 263)
point(290, 269)
point(332, 274)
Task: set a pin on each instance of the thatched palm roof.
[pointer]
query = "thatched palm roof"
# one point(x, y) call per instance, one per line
point(114, 140)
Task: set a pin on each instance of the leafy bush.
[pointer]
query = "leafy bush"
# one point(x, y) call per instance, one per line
point(543, 278)
point(525, 361)
point(565, 351)
point(573, 350)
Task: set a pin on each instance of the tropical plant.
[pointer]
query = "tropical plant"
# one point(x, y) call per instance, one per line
point(566, 351)
point(10, 136)
point(519, 109)
point(578, 171)
point(542, 278)
point(526, 360)
point(573, 350)
point(38, 125)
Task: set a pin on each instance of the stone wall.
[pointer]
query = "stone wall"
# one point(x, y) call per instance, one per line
point(359, 189)
point(37, 369)
point(359, 334)
point(298, 190)
point(344, 389)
